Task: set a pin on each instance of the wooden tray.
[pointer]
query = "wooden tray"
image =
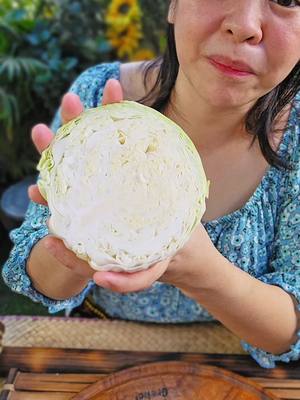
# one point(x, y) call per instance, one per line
point(32, 386)
point(48, 374)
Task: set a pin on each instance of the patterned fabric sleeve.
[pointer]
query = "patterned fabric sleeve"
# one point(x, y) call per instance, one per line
point(89, 86)
point(285, 262)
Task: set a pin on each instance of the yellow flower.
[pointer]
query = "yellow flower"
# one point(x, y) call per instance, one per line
point(127, 41)
point(142, 55)
point(122, 13)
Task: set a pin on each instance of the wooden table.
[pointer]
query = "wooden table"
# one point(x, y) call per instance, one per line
point(47, 373)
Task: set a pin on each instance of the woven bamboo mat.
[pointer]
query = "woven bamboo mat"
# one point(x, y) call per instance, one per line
point(83, 333)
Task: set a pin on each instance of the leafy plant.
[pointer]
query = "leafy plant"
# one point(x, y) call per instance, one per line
point(17, 72)
point(154, 24)
point(37, 65)
point(44, 46)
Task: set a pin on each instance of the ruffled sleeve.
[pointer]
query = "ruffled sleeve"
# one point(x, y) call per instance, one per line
point(89, 86)
point(284, 268)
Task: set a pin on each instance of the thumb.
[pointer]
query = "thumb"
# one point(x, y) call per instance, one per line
point(113, 92)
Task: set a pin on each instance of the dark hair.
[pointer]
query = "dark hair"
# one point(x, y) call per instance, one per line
point(260, 118)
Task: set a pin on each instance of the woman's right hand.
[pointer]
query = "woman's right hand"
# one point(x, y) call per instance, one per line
point(42, 136)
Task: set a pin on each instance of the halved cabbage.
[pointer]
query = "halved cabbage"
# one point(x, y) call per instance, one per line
point(125, 186)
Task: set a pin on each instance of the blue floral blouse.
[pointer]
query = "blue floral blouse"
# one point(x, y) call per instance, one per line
point(262, 238)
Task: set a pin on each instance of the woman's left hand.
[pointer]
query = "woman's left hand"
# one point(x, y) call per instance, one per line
point(190, 266)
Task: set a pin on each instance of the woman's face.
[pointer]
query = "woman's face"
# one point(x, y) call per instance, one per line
point(231, 52)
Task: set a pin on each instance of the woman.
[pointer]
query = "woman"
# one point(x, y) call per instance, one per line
point(230, 78)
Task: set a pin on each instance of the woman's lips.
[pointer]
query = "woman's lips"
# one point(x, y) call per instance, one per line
point(231, 68)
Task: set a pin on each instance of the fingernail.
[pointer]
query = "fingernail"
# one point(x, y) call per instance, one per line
point(101, 282)
point(105, 285)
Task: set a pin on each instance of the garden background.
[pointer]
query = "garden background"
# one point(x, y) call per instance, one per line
point(44, 46)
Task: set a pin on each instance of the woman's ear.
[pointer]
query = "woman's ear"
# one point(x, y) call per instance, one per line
point(171, 12)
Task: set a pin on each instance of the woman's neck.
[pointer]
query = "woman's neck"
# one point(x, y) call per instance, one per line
point(209, 127)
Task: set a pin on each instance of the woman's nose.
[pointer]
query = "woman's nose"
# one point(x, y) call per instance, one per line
point(243, 21)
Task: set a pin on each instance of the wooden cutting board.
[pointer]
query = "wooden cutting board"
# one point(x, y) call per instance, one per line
point(60, 374)
point(174, 380)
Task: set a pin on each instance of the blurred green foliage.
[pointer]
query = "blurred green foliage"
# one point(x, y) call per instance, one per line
point(44, 45)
